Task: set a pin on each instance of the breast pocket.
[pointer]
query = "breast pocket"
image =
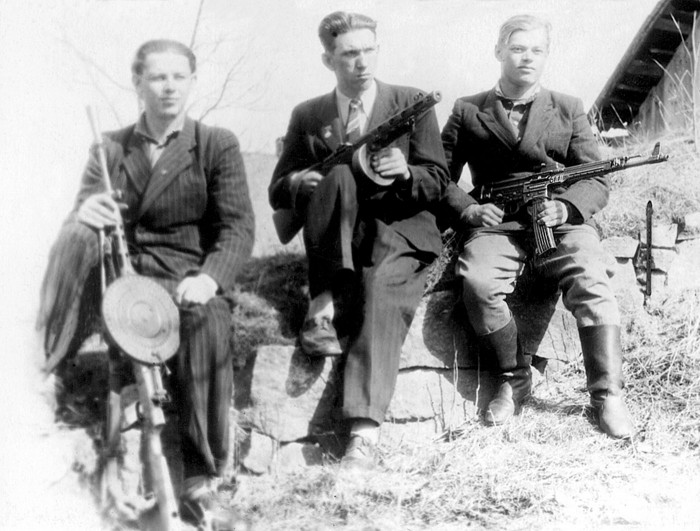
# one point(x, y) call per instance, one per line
point(183, 200)
point(558, 142)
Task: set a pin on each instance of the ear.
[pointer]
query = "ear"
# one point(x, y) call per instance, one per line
point(326, 59)
point(497, 53)
point(136, 80)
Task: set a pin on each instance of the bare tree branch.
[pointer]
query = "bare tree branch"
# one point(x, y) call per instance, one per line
point(87, 60)
point(222, 92)
point(196, 23)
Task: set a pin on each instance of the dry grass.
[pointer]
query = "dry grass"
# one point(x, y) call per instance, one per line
point(673, 187)
point(549, 469)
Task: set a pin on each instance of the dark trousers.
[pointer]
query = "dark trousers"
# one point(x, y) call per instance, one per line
point(204, 386)
point(378, 278)
point(331, 218)
point(203, 382)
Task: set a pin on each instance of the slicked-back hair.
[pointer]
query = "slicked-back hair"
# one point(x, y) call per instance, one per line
point(161, 46)
point(342, 22)
point(522, 23)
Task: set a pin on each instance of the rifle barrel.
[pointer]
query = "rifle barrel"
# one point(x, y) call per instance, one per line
point(97, 135)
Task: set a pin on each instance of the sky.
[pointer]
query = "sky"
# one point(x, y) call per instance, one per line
point(57, 57)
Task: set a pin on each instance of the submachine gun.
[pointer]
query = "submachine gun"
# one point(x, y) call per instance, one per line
point(532, 189)
point(141, 322)
point(289, 221)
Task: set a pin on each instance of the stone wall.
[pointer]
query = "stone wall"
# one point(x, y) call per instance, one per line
point(288, 404)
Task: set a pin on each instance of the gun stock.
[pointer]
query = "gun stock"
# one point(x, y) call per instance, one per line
point(289, 221)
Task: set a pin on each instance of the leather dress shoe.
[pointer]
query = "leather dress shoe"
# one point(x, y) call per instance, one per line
point(360, 454)
point(319, 338)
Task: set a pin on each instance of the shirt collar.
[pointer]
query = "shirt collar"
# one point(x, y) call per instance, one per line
point(367, 98)
point(526, 98)
point(141, 129)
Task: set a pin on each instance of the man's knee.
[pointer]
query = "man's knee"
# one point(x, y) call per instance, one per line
point(478, 284)
point(210, 323)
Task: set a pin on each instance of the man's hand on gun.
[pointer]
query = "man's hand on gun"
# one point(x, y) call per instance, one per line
point(305, 182)
point(488, 215)
point(99, 211)
point(390, 162)
point(552, 213)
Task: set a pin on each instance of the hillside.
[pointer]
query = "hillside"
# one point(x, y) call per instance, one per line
point(548, 469)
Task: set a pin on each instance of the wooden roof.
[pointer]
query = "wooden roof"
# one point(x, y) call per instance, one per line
point(642, 66)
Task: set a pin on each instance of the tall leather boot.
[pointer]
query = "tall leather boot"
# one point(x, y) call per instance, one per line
point(602, 359)
point(514, 379)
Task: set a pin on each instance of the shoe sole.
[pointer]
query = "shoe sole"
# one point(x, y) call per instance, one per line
point(322, 354)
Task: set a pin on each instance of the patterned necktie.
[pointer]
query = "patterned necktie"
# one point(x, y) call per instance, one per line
point(352, 129)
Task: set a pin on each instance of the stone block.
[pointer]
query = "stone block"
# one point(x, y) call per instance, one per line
point(683, 273)
point(260, 453)
point(294, 456)
point(559, 339)
point(285, 394)
point(445, 395)
point(628, 292)
point(691, 223)
point(662, 259)
point(437, 337)
point(620, 246)
point(661, 236)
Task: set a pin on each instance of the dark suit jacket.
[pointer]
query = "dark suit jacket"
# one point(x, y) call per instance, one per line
point(315, 131)
point(190, 213)
point(479, 134)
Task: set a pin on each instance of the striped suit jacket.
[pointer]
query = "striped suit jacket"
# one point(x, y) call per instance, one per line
point(188, 214)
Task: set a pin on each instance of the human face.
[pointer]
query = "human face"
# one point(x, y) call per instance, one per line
point(164, 85)
point(522, 60)
point(354, 61)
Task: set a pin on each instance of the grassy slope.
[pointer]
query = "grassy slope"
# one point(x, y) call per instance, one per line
point(550, 468)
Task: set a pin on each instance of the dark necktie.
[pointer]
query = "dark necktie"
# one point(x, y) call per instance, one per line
point(352, 129)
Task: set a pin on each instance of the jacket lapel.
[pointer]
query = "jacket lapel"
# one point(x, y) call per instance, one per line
point(539, 118)
point(330, 130)
point(175, 158)
point(493, 117)
point(136, 164)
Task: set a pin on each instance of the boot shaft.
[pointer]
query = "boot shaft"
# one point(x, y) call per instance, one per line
point(602, 359)
point(503, 348)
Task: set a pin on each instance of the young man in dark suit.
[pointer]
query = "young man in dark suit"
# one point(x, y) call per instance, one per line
point(368, 241)
point(189, 226)
point(516, 127)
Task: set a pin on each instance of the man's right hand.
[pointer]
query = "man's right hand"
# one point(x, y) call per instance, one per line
point(487, 215)
point(99, 211)
point(305, 182)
